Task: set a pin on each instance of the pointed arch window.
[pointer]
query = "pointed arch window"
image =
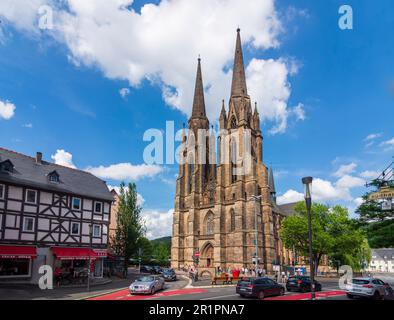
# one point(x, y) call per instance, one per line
point(210, 224)
point(233, 123)
point(191, 171)
point(232, 222)
point(233, 160)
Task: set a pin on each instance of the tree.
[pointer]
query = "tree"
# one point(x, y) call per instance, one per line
point(130, 228)
point(333, 233)
point(147, 250)
point(377, 223)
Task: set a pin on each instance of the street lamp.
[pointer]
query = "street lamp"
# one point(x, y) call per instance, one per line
point(255, 199)
point(307, 182)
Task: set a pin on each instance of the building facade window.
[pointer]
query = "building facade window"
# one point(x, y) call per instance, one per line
point(14, 268)
point(75, 228)
point(2, 191)
point(54, 178)
point(232, 222)
point(98, 207)
point(28, 224)
point(31, 196)
point(210, 224)
point(76, 203)
point(96, 231)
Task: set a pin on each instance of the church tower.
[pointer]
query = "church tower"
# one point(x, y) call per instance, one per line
point(216, 204)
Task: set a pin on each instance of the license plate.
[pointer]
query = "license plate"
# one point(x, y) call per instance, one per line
point(243, 289)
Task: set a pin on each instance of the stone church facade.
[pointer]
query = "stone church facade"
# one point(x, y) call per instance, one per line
point(215, 209)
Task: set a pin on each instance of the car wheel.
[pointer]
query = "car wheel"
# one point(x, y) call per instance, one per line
point(377, 296)
point(282, 292)
point(242, 296)
point(318, 288)
point(303, 289)
point(350, 296)
point(152, 291)
point(261, 295)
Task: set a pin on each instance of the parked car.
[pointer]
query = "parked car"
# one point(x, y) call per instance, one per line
point(368, 287)
point(147, 285)
point(146, 269)
point(301, 284)
point(259, 288)
point(156, 270)
point(169, 275)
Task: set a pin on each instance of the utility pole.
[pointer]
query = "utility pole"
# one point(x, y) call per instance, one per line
point(90, 254)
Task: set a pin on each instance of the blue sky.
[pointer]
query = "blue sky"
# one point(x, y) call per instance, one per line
point(64, 86)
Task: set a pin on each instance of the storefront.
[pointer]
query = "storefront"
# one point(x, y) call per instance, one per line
point(75, 261)
point(16, 261)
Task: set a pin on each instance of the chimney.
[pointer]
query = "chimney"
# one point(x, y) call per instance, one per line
point(38, 157)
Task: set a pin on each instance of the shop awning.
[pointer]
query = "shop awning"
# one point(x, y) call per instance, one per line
point(17, 252)
point(62, 253)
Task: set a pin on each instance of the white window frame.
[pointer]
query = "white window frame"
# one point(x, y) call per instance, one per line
point(101, 205)
point(2, 194)
point(35, 198)
point(71, 228)
point(57, 179)
point(24, 224)
point(72, 203)
point(100, 228)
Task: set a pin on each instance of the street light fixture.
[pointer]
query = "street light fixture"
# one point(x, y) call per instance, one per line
point(307, 182)
point(255, 199)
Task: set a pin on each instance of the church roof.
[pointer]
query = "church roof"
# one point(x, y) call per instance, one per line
point(271, 180)
point(238, 86)
point(199, 101)
point(287, 209)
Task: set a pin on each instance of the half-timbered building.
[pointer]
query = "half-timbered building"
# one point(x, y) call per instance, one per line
point(50, 215)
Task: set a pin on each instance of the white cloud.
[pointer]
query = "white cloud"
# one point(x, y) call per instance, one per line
point(349, 182)
point(161, 43)
point(268, 84)
point(345, 169)
point(158, 223)
point(7, 110)
point(63, 158)
point(358, 201)
point(27, 125)
point(124, 92)
point(323, 190)
point(290, 196)
point(373, 136)
point(125, 171)
point(389, 144)
point(370, 174)
point(140, 198)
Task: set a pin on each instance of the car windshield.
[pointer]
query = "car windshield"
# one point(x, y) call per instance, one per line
point(360, 281)
point(145, 279)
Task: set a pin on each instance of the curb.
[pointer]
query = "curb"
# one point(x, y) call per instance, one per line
point(102, 294)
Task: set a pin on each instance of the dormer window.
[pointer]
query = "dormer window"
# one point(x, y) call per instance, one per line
point(6, 166)
point(54, 177)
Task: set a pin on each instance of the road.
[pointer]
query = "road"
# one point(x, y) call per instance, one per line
point(330, 291)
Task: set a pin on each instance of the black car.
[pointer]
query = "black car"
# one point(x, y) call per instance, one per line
point(156, 270)
point(169, 275)
point(259, 288)
point(146, 269)
point(301, 284)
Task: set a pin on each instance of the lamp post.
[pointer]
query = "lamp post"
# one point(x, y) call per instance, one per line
point(307, 181)
point(255, 199)
point(90, 256)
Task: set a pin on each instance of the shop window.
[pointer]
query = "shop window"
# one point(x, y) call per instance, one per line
point(10, 268)
point(31, 196)
point(76, 204)
point(96, 231)
point(75, 228)
point(28, 224)
point(98, 207)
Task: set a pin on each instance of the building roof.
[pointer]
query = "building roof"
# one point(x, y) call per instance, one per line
point(287, 209)
point(28, 172)
point(198, 101)
point(383, 252)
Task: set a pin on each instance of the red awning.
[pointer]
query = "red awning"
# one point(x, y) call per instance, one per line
point(77, 253)
point(17, 252)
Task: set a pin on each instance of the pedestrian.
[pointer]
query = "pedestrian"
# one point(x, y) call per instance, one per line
point(276, 276)
point(283, 277)
point(243, 271)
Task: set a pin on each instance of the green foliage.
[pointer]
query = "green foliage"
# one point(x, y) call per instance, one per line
point(380, 234)
point(130, 227)
point(333, 234)
point(146, 250)
point(371, 211)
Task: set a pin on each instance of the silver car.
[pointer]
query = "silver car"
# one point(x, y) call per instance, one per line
point(147, 285)
point(367, 287)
